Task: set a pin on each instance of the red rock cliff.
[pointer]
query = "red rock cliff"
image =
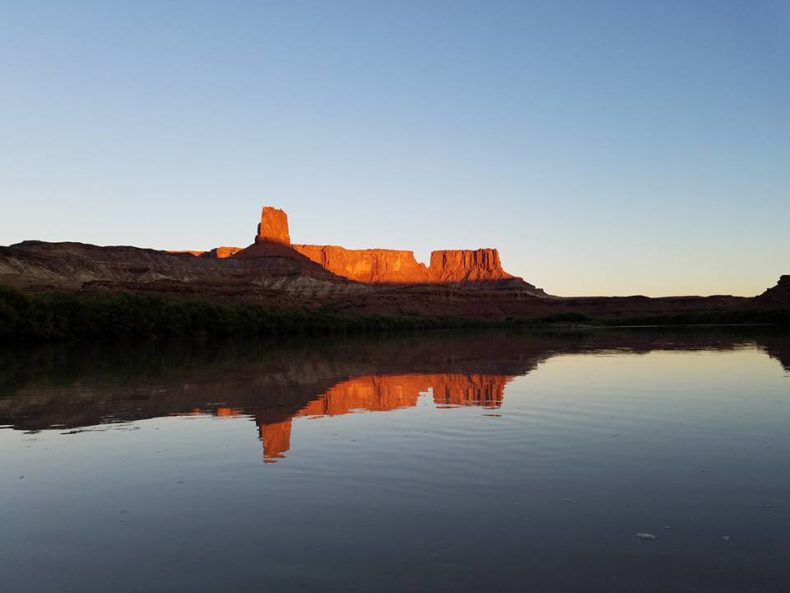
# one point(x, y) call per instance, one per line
point(479, 265)
point(389, 266)
point(370, 266)
point(385, 266)
point(273, 226)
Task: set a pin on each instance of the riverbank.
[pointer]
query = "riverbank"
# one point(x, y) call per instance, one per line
point(68, 315)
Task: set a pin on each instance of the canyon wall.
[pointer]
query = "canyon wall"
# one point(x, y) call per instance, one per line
point(369, 266)
point(456, 265)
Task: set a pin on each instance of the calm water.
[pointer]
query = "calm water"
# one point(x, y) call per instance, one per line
point(481, 462)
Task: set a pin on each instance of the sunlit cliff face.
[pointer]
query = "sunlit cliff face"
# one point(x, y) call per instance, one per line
point(273, 226)
point(383, 266)
point(381, 393)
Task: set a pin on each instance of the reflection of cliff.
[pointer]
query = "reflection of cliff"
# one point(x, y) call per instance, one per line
point(276, 439)
point(68, 386)
point(382, 393)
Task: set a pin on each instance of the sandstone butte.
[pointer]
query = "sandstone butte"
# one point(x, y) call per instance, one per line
point(378, 266)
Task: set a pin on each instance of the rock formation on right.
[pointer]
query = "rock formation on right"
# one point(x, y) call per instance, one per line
point(778, 295)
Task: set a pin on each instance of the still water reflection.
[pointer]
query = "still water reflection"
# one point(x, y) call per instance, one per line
point(468, 462)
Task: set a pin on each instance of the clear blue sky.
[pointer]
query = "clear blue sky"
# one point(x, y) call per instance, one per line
point(604, 147)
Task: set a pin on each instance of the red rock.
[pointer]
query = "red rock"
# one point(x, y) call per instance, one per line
point(273, 226)
point(479, 265)
point(369, 266)
point(375, 266)
point(390, 266)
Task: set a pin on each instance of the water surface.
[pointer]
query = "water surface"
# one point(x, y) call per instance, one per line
point(445, 462)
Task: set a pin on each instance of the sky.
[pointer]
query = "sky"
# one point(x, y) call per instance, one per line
point(605, 148)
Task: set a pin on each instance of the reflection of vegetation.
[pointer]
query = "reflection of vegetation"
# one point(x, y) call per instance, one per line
point(62, 364)
point(57, 316)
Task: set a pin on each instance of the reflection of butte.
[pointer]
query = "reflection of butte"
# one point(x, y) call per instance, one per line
point(380, 393)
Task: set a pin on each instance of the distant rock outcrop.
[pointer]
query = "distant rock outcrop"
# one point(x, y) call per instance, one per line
point(222, 252)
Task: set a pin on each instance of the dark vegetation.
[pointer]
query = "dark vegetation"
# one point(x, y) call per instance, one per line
point(59, 316)
point(65, 316)
point(744, 316)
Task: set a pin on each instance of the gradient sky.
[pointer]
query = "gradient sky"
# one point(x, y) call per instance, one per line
point(604, 147)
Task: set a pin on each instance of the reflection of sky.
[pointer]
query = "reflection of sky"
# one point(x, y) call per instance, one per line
point(605, 148)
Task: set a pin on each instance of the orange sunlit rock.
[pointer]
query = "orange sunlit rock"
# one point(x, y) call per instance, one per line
point(382, 266)
point(222, 252)
point(466, 265)
point(273, 226)
point(390, 266)
point(370, 266)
